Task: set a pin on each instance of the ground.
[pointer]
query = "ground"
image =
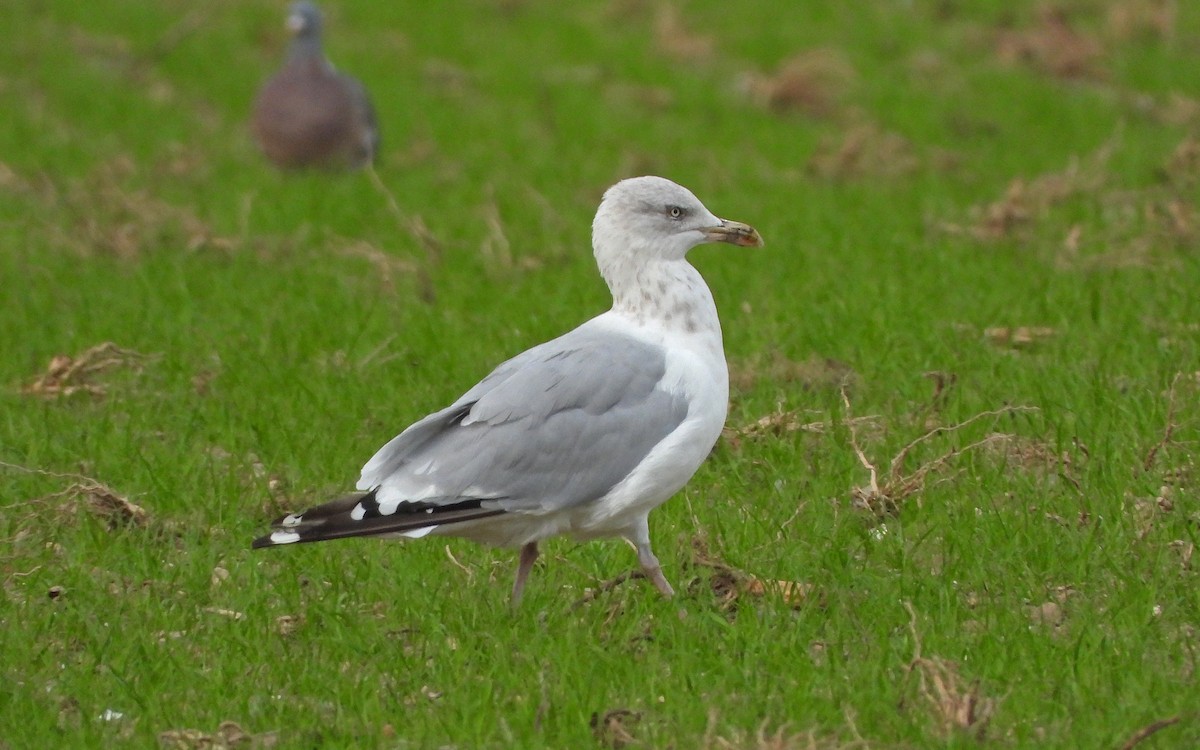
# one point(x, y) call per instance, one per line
point(956, 501)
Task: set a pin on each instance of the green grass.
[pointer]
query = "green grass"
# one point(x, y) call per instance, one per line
point(1039, 571)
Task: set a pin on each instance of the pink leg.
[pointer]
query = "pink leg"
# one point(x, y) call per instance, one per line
point(653, 571)
point(639, 537)
point(529, 554)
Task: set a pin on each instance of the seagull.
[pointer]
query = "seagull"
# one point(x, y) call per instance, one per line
point(583, 435)
point(308, 114)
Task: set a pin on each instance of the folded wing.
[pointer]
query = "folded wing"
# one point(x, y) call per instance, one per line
point(551, 429)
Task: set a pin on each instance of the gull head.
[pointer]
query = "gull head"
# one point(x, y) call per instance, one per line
point(652, 218)
point(304, 20)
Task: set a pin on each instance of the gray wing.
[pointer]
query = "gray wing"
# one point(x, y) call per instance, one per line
point(550, 429)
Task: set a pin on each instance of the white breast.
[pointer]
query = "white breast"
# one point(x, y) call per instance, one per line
point(695, 370)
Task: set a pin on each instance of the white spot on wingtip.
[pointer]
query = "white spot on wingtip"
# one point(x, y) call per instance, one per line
point(417, 533)
point(284, 537)
point(358, 513)
point(393, 498)
point(292, 519)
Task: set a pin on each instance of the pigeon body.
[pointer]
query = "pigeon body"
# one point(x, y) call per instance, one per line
point(308, 114)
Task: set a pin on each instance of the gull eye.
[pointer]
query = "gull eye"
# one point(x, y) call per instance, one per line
point(675, 212)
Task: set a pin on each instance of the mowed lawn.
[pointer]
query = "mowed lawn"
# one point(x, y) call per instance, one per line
point(956, 504)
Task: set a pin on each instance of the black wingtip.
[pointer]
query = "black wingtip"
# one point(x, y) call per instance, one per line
point(338, 519)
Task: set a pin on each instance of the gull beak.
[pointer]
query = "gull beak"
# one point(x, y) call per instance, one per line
point(733, 232)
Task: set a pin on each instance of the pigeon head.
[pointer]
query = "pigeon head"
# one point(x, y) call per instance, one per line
point(304, 24)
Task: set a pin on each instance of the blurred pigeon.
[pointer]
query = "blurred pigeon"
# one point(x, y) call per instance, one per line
point(308, 114)
point(583, 435)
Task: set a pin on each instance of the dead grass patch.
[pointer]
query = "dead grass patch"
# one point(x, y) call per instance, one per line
point(1053, 45)
point(1027, 202)
point(1177, 110)
point(732, 586)
point(1136, 227)
point(388, 268)
point(1176, 479)
point(1022, 452)
point(955, 704)
point(231, 614)
point(1151, 20)
point(882, 499)
point(1150, 729)
point(810, 83)
point(104, 503)
point(1182, 167)
point(1180, 381)
point(107, 216)
point(67, 375)
point(780, 423)
point(864, 151)
point(1033, 456)
point(84, 493)
point(227, 737)
point(1018, 337)
point(677, 40)
point(781, 738)
point(1186, 550)
point(613, 728)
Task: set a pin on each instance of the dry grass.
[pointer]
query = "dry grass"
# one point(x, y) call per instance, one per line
point(955, 705)
point(1018, 337)
point(864, 151)
point(67, 375)
point(229, 736)
point(1053, 45)
point(1147, 731)
point(1190, 382)
point(881, 499)
point(1026, 454)
point(675, 38)
point(1139, 228)
point(1177, 110)
point(1142, 19)
point(781, 738)
point(84, 493)
point(112, 217)
point(1025, 203)
point(732, 587)
point(781, 423)
point(833, 145)
point(614, 728)
point(810, 83)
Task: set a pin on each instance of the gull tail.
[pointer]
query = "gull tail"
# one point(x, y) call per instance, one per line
point(358, 514)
